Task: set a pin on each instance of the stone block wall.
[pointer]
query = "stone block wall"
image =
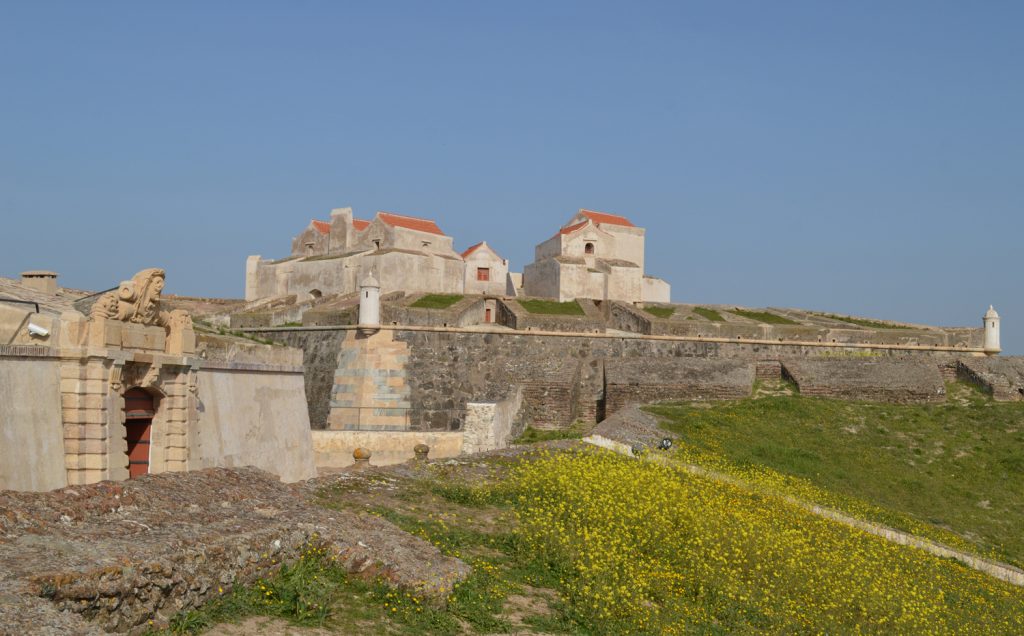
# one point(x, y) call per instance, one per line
point(1000, 377)
point(511, 314)
point(640, 381)
point(903, 381)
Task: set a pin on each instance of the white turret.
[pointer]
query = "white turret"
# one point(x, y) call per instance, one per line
point(369, 302)
point(992, 331)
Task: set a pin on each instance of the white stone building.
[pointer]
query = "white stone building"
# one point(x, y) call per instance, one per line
point(403, 253)
point(595, 255)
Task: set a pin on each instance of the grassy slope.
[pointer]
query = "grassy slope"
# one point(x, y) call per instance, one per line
point(553, 307)
point(437, 301)
point(958, 466)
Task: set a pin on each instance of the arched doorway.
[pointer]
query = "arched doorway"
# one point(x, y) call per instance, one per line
point(138, 425)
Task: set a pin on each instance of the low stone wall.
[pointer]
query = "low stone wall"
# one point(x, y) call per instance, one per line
point(1000, 377)
point(513, 315)
point(904, 381)
point(492, 425)
point(646, 381)
point(31, 430)
point(333, 449)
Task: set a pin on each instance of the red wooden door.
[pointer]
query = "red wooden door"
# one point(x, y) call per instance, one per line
point(138, 424)
point(487, 315)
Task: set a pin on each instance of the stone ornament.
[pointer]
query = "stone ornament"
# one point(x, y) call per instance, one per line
point(137, 301)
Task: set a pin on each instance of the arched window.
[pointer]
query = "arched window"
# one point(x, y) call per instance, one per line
point(315, 294)
point(588, 248)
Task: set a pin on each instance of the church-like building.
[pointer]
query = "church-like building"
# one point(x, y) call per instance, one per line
point(404, 253)
point(595, 255)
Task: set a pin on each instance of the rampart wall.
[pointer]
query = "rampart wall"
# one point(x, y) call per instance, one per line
point(562, 375)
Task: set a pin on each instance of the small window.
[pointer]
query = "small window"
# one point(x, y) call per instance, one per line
point(588, 248)
point(315, 294)
point(483, 273)
point(309, 248)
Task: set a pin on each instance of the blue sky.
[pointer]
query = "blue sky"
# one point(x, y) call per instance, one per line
point(859, 157)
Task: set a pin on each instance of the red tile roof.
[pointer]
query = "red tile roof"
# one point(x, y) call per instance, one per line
point(604, 217)
point(572, 228)
point(322, 226)
point(360, 224)
point(472, 248)
point(410, 222)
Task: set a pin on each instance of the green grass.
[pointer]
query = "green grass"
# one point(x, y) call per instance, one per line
point(764, 316)
point(437, 301)
point(710, 314)
point(863, 322)
point(316, 592)
point(570, 308)
point(956, 467)
point(660, 312)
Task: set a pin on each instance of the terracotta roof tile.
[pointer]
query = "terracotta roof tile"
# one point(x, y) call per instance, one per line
point(572, 228)
point(471, 249)
point(604, 217)
point(322, 226)
point(410, 222)
point(360, 224)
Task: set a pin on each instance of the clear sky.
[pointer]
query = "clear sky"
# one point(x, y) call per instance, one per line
point(858, 157)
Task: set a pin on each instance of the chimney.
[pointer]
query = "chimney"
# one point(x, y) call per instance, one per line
point(41, 281)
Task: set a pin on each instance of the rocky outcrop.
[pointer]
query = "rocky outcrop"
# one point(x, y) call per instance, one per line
point(110, 557)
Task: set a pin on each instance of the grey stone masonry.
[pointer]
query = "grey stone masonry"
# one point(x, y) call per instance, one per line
point(903, 381)
point(1000, 377)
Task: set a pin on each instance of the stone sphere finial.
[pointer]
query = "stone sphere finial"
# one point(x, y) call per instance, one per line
point(361, 456)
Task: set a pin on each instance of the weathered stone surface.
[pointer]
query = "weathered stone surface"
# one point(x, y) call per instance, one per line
point(1001, 377)
point(642, 381)
point(902, 381)
point(113, 556)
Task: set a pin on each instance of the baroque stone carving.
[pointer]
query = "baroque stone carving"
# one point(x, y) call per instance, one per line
point(136, 300)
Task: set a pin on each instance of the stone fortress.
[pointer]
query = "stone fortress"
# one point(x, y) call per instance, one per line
point(378, 334)
point(595, 255)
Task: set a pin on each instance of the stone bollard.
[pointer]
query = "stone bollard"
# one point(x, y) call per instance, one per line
point(361, 457)
point(421, 451)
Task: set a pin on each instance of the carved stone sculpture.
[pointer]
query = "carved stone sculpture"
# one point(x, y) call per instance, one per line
point(137, 301)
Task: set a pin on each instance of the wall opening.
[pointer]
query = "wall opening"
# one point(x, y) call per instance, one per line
point(139, 410)
point(483, 273)
point(315, 294)
point(588, 248)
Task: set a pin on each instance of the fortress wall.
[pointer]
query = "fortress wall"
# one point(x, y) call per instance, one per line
point(1001, 377)
point(31, 430)
point(321, 349)
point(902, 382)
point(252, 415)
point(641, 381)
point(562, 375)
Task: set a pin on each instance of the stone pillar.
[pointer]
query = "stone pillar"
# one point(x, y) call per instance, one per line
point(991, 322)
point(85, 391)
point(252, 278)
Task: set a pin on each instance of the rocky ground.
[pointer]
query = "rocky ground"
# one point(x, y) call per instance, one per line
point(124, 557)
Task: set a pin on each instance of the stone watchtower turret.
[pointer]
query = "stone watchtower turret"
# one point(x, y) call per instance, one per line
point(369, 302)
point(991, 331)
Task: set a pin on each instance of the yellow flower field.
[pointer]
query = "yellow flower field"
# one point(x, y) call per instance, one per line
point(648, 548)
